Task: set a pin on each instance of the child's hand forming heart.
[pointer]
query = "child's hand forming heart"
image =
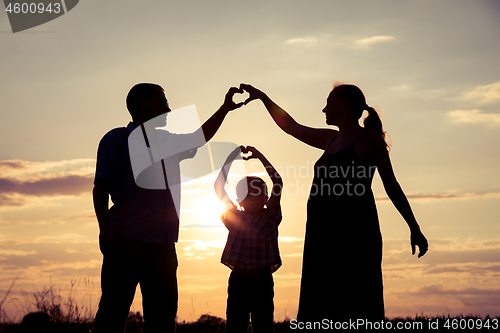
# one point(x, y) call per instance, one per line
point(251, 152)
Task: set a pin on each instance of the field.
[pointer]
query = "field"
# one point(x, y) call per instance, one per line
point(211, 324)
point(54, 314)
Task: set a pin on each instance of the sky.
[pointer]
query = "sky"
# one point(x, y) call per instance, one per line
point(430, 69)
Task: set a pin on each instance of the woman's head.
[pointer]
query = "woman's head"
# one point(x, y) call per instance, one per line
point(348, 97)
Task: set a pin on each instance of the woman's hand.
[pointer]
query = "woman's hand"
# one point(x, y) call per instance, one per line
point(254, 92)
point(417, 238)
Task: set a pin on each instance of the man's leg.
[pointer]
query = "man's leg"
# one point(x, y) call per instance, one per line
point(238, 307)
point(118, 284)
point(158, 283)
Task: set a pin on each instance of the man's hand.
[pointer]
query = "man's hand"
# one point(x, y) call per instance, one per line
point(229, 105)
point(107, 240)
point(254, 92)
point(107, 234)
point(211, 126)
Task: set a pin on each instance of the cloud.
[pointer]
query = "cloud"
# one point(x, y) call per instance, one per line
point(438, 289)
point(195, 289)
point(54, 266)
point(68, 238)
point(44, 254)
point(27, 170)
point(12, 252)
point(427, 197)
point(402, 88)
point(484, 94)
point(200, 245)
point(432, 297)
point(302, 41)
point(89, 216)
point(14, 164)
point(366, 42)
point(470, 257)
point(10, 200)
point(22, 181)
point(475, 117)
point(337, 41)
point(64, 185)
point(468, 269)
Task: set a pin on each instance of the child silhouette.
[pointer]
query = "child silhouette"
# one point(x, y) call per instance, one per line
point(251, 249)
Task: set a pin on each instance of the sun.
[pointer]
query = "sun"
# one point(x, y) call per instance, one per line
point(211, 208)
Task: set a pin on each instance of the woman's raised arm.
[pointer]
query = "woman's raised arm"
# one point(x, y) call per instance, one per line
point(315, 137)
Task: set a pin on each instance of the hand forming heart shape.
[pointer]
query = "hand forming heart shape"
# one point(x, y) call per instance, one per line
point(228, 100)
point(250, 152)
point(247, 155)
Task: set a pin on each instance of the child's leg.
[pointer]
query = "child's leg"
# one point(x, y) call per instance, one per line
point(238, 309)
point(263, 304)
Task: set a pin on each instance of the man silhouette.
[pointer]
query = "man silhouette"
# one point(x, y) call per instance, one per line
point(138, 233)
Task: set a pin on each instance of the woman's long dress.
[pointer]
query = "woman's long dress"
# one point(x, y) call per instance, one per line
point(341, 269)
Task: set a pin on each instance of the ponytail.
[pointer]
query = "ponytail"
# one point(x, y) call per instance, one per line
point(357, 103)
point(372, 121)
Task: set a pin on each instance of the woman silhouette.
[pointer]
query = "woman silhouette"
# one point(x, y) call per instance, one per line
point(341, 268)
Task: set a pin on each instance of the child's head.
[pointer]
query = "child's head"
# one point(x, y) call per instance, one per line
point(251, 193)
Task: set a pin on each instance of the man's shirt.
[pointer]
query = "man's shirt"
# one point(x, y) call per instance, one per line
point(147, 215)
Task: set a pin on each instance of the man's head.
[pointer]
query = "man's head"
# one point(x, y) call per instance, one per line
point(146, 101)
point(251, 194)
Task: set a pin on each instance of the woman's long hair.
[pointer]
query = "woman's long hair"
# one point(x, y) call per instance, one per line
point(357, 103)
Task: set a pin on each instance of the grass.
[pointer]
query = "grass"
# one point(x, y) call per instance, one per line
point(211, 324)
point(47, 311)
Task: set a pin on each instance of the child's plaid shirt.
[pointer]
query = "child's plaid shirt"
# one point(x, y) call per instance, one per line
point(253, 239)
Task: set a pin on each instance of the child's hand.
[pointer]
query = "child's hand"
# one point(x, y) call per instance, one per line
point(236, 153)
point(254, 153)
